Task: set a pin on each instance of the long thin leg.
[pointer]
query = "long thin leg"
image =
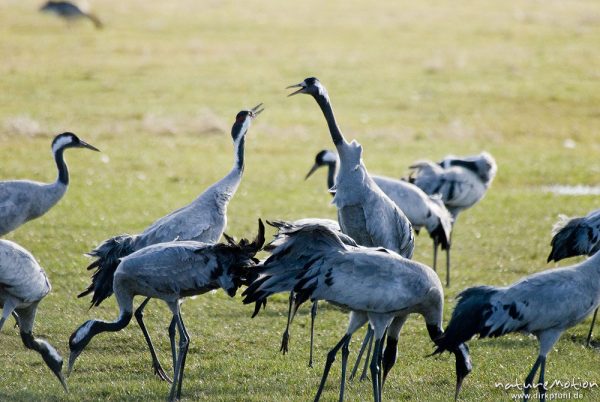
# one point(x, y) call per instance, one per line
point(16, 316)
point(187, 337)
point(292, 310)
point(375, 370)
point(313, 315)
point(363, 376)
point(9, 307)
point(345, 353)
point(530, 376)
point(172, 327)
point(139, 316)
point(183, 343)
point(541, 385)
point(366, 340)
point(328, 363)
point(435, 253)
point(448, 266)
point(589, 337)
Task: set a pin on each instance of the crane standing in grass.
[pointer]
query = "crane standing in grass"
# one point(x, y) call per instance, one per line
point(172, 271)
point(577, 236)
point(23, 284)
point(377, 285)
point(460, 182)
point(544, 304)
point(203, 220)
point(422, 210)
point(365, 213)
point(24, 200)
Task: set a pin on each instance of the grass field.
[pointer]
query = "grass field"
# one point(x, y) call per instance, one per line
point(157, 91)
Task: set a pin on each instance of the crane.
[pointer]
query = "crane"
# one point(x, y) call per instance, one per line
point(544, 304)
point(23, 285)
point(171, 271)
point(460, 182)
point(377, 285)
point(576, 236)
point(365, 213)
point(69, 12)
point(24, 200)
point(203, 220)
point(422, 210)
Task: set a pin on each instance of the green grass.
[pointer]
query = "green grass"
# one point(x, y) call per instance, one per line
point(157, 91)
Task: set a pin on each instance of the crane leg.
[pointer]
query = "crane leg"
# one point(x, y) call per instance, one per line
point(364, 376)
point(448, 266)
point(345, 353)
point(172, 328)
point(292, 310)
point(313, 315)
point(7, 310)
point(368, 340)
point(541, 386)
point(329, 362)
point(589, 337)
point(139, 316)
point(175, 392)
point(435, 254)
point(182, 368)
point(530, 376)
point(375, 370)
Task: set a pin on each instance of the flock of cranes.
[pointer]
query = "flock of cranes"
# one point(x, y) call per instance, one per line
point(361, 263)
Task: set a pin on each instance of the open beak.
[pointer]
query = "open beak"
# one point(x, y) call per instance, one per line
point(84, 144)
point(256, 110)
point(301, 85)
point(312, 170)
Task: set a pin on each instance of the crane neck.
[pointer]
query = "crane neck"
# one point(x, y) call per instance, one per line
point(327, 109)
point(63, 171)
point(239, 154)
point(331, 167)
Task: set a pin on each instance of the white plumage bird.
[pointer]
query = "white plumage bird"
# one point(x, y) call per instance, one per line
point(23, 284)
point(544, 304)
point(377, 285)
point(573, 237)
point(203, 220)
point(171, 271)
point(24, 200)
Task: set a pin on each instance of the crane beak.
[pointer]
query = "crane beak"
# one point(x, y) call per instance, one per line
point(61, 378)
point(255, 110)
point(302, 87)
point(72, 357)
point(463, 367)
point(312, 170)
point(84, 144)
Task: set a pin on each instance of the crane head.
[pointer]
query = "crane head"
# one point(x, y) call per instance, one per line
point(243, 119)
point(311, 86)
point(70, 140)
point(325, 157)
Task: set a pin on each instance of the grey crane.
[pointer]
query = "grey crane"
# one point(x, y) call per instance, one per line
point(69, 12)
point(460, 182)
point(23, 284)
point(576, 236)
point(171, 271)
point(24, 200)
point(203, 220)
point(377, 285)
point(422, 210)
point(365, 213)
point(544, 304)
